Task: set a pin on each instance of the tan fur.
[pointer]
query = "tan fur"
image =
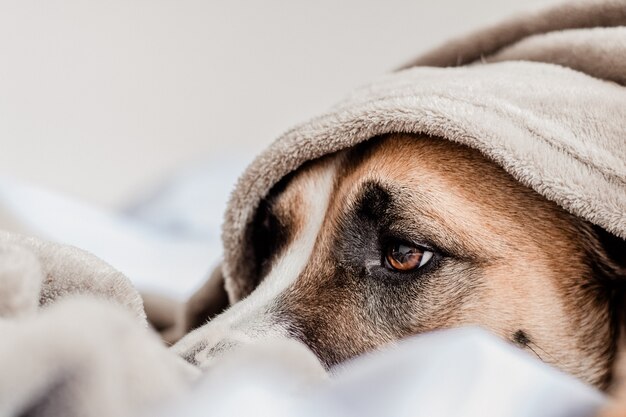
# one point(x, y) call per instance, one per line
point(515, 262)
point(528, 251)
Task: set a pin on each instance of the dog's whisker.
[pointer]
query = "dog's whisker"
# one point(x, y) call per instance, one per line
point(535, 352)
point(543, 350)
point(552, 358)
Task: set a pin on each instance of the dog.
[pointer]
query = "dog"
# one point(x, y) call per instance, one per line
point(403, 235)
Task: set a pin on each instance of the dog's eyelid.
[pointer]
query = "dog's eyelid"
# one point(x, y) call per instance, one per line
point(419, 242)
point(429, 241)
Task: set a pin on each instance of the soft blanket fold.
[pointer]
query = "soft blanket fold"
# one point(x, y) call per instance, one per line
point(74, 337)
point(577, 14)
point(64, 270)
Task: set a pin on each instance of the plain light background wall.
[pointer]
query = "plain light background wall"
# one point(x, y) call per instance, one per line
point(100, 99)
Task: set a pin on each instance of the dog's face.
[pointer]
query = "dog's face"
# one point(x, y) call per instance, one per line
point(404, 235)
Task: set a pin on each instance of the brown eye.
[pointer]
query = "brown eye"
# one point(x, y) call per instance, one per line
point(402, 257)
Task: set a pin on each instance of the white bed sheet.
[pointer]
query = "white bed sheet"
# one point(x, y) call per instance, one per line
point(166, 241)
point(453, 373)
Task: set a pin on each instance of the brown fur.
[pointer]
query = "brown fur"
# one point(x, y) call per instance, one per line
point(507, 259)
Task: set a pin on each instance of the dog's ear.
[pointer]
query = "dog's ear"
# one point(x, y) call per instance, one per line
point(615, 250)
point(207, 302)
point(610, 268)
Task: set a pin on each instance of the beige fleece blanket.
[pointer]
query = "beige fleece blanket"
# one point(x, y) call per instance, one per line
point(542, 95)
point(75, 340)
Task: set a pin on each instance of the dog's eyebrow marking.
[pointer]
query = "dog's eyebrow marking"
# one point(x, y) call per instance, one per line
point(373, 200)
point(409, 216)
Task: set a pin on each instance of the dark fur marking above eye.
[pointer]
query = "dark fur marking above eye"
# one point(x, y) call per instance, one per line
point(521, 338)
point(374, 201)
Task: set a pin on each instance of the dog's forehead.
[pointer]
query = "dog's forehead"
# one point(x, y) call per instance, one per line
point(424, 176)
point(429, 174)
point(447, 187)
point(427, 163)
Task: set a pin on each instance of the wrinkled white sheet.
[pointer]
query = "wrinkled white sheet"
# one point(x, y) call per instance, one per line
point(453, 373)
point(169, 240)
point(166, 241)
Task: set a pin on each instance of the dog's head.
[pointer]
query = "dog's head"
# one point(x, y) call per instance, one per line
point(403, 235)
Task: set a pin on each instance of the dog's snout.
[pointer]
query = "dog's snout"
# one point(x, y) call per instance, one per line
point(205, 345)
point(201, 347)
point(244, 323)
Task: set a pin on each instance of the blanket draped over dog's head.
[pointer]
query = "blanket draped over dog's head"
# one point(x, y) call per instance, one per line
point(543, 96)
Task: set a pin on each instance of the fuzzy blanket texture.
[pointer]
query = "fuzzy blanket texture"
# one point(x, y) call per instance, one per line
point(542, 95)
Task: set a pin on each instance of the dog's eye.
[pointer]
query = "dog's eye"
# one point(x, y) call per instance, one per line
point(404, 257)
